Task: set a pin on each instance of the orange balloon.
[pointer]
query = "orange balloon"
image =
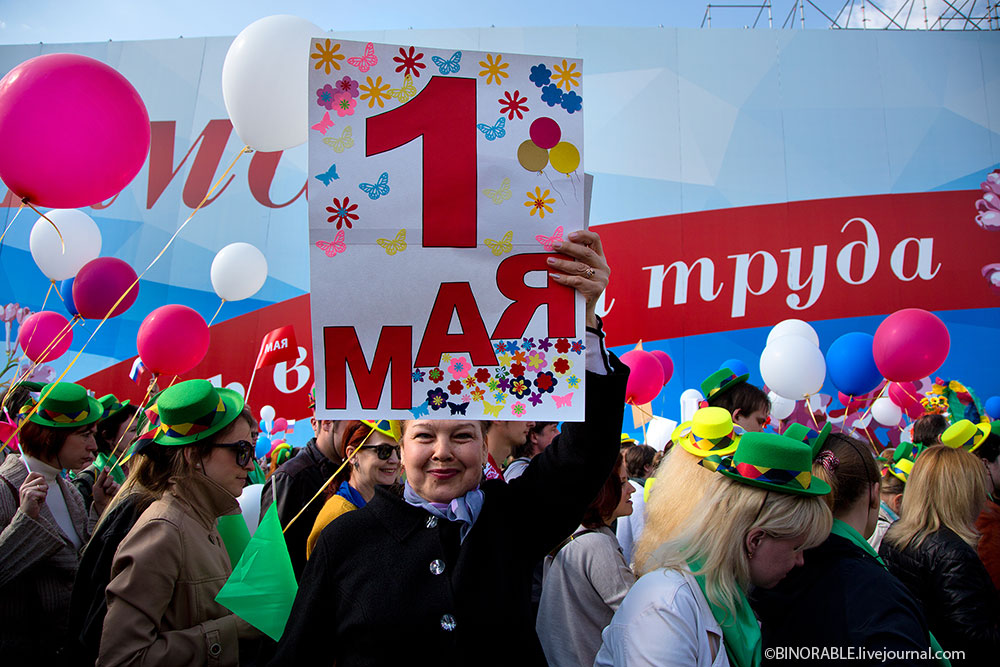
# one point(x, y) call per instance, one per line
point(531, 156)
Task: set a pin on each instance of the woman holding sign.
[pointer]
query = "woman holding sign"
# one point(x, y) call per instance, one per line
point(446, 564)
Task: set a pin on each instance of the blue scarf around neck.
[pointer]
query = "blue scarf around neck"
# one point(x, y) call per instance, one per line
point(464, 509)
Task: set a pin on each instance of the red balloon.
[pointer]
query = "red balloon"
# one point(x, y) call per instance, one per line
point(853, 403)
point(666, 363)
point(903, 394)
point(910, 344)
point(100, 283)
point(44, 336)
point(172, 340)
point(645, 378)
point(545, 132)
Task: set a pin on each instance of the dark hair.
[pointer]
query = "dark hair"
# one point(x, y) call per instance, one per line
point(928, 429)
point(107, 429)
point(848, 466)
point(14, 398)
point(989, 449)
point(526, 448)
point(607, 499)
point(637, 458)
point(44, 442)
point(744, 397)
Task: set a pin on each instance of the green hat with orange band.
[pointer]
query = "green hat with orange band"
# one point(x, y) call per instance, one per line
point(63, 405)
point(193, 410)
point(774, 462)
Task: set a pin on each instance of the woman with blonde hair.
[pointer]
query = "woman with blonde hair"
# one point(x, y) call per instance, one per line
point(690, 605)
point(932, 550)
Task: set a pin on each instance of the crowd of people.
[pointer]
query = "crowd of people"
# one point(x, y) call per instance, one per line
point(463, 542)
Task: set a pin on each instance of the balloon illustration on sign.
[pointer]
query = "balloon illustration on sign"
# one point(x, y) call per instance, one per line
point(544, 147)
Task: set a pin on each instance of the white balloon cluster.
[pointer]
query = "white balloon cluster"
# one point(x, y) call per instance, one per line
point(792, 364)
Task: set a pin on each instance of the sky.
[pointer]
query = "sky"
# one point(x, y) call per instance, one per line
point(67, 21)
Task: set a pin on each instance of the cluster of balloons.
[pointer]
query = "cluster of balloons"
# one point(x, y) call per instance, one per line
point(544, 147)
point(792, 364)
point(649, 372)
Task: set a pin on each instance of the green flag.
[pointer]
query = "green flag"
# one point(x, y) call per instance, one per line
point(116, 472)
point(235, 535)
point(257, 475)
point(262, 586)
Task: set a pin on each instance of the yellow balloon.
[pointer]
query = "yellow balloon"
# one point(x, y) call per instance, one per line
point(565, 158)
point(531, 156)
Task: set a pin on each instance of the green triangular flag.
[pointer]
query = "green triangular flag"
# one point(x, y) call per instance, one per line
point(116, 473)
point(262, 586)
point(235, 535)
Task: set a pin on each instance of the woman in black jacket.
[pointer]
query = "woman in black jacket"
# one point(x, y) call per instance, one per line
point(445, 570)
point(857, 602)
point(932, 550)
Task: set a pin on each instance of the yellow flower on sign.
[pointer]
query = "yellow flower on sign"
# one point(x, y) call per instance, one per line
point(566, 76)
point(327, 56)
point(539, 202)
point(494, 69)
point(375, 91)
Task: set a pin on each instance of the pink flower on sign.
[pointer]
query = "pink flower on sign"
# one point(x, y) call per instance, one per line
point(344, 104)
point(459, 368)
point(536, 360)
point(518, 409)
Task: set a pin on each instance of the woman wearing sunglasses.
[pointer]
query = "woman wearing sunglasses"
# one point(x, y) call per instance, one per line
point(169, 568)
point(377, 463)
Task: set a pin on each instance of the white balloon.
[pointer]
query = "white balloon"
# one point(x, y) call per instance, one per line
point(793, 367)
point(658, 432)
point(82, 240)
point(793, 327)
point(689, 403)
point(265, 82)
point(238, 271)
point(886, 412)
point(250, 505)
point(267, 413)
point(781, 407)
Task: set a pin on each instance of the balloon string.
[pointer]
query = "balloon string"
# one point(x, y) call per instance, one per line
point(217, 311)
point(58, 294)
point(114, 450)
point(62, 242)
point(872, 404)
point(24, 348)
point(811, 414)
point(9, 224)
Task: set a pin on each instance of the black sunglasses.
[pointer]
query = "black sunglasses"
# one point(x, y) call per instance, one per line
point(383, 451)
point(244, 451)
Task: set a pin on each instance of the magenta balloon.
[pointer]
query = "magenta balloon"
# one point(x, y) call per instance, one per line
point(100, 283)
point(904, 394)
point(910, 344)
point(172, 340)
point(666, 363)
point(44, 336)
point(74, 131)
point(280, 425)
point(545, 132)
point(645, 379)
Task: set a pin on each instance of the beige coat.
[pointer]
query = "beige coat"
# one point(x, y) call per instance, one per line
point(164, 579)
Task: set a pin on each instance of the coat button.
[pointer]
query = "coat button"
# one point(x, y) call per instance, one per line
point(432, 522)
point(437, 566)
point(447, 622)
point(215, 649)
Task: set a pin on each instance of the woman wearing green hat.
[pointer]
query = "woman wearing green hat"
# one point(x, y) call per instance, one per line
point(689, 607)
point(44, 520)
point(169, 568)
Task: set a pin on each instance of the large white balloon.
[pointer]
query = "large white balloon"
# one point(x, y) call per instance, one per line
point(82, 243)
point(250, 506)
point(793, 327)
point(781, 407)
point(689, 403)
point(265, 82)
point(238, 271)
point(793, 367)
point(886, 412)
point(267, 414)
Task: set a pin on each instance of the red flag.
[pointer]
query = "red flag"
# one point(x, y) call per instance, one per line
point(278, 346)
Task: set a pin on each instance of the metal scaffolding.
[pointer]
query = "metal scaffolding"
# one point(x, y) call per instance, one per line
point(861, 15)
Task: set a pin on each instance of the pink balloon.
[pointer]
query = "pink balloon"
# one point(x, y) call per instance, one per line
point(545, 132)
point(49, 164)
point(172, 340)
point(853, 403)
point(903, 394)
point(666, 363)
point(100, 283)
point(280, 424)
point(645, 378)
point(44, 336)
point(910, 344)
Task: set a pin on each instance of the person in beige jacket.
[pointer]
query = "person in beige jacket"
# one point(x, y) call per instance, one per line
point(169, 568)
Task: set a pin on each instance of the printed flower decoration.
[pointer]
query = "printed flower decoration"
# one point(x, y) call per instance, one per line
point(571, 102)
point(455, 387)
point(520, 387)
point(512, 346)
point(546, 382)
point(572, 382)
point(494, 69)
point(566, 76)
point(520, 357)
point(324, 96)
point(503, 384)
point(327, 57)
point(500, 347)
point(344, 104)
point(374, 91)
point(503, 359)
point(417, 375)
point(409, 64)
point(499, 397)
point(513, 105)
point(348, 85)
point(544, 344)
point(482, 375)
point(459, 368)
point(527, 344)
point(539, 202)
point(535, 399)
point(465, 398)
point(551, 95)
point(446, 357)
point(518, 409)
point(540, 75)
point(517, 369)
point(493, 384)
point(477, 394)
point(562, 365)
point(536, 360)
point(562, 346)
point(437, 398)
point(578, 346)
point(470, 381)
point(435, 375)
point(343, 213)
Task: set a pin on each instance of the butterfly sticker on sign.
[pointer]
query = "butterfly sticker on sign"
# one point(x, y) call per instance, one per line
point(443, 281)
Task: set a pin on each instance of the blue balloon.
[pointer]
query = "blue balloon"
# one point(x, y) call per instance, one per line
point(993, 407)
point(263, 446)
point(850, 364)
point(66, 290)
point(736, 366)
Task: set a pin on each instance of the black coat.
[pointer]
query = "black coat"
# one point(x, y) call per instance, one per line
point(841, 597)
point(374, 592)
point(946, 576)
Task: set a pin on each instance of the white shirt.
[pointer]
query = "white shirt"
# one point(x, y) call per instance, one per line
point(54, 498)
point(630, 527)
point(664, 621)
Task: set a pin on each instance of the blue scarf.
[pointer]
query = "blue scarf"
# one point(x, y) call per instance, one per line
point(351, 495)
point(465, 508)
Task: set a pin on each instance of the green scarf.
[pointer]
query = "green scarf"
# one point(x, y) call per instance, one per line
point(741, 634)
point(841, 529)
